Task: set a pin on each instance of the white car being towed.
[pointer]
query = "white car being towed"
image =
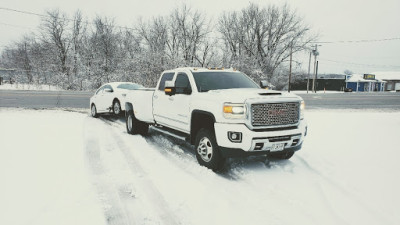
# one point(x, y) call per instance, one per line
point(110, 98)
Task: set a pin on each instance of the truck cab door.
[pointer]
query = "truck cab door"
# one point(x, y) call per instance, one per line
point(161, 101)
point(180, 103)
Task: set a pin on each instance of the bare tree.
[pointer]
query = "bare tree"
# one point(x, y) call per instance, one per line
point(54, 32)
point(263, 35)
point(105, 44)
point(189, 30)
point(348, 72)
point(78, 33)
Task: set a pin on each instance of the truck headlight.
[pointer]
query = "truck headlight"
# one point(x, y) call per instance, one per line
point(234, 111)
point(302, 108)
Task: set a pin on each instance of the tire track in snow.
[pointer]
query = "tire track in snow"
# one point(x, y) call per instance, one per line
point(182, 152)
point(114, 210)
point(156, 199)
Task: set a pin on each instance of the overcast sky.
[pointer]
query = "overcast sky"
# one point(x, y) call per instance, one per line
point(333, 20)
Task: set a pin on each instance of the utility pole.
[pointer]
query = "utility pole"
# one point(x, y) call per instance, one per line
point(316, 74)
point(290, 67)
point(315, 53)
point(308, 78)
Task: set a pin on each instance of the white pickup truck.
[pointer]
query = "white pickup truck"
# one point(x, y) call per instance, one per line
point(222, 112)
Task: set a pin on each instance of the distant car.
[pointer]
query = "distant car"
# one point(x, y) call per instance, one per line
point(110, 98)
point(348, 90)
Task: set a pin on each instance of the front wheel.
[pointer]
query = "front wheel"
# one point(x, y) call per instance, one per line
point(207, 150)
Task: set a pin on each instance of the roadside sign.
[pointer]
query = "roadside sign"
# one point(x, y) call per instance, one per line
point(369, 76)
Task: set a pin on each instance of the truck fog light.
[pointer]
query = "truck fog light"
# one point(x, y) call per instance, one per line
point(235, 136)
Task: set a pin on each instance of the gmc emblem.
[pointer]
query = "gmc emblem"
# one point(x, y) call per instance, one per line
point(277, 112)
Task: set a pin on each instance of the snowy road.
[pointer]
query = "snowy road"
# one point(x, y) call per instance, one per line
point(81, 170)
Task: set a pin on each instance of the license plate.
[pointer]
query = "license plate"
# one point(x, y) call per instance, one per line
point(277, 147)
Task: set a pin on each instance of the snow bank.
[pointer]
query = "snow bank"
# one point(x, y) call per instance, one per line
point(318, 92)
point(33, 87)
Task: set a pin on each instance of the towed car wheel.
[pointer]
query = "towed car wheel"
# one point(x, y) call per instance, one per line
point(93, 111)
point(116, 107)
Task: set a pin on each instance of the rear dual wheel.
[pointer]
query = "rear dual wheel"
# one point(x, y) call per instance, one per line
point(134, 126)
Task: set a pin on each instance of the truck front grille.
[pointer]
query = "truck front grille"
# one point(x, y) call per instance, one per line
point(275, 114)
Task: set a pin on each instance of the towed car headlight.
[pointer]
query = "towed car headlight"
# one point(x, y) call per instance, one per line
point(234, 111)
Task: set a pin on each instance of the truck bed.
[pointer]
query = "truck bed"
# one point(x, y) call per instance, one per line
point(142, 101)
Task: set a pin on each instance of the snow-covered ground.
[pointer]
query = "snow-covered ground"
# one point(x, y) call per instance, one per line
point(31, 87)
point(61, 167)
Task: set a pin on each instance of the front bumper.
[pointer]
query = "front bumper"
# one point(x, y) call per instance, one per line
point(260, 141)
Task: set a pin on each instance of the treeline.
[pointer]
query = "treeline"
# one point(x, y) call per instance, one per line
point(80, 54)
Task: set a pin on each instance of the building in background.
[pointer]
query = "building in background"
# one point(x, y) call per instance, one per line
point(392, 80)
point(324, 82)
point(7, 76)
point(364, 83)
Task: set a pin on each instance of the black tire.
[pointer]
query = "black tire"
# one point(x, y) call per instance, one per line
point(93, 111)
point(281, 155)
point(207, 150)
point(134, 126)
point(116, 107)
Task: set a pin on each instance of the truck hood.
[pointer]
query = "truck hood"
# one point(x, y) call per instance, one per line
point(243, 94)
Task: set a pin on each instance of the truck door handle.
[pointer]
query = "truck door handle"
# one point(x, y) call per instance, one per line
point(171, 98)
point(155, 96)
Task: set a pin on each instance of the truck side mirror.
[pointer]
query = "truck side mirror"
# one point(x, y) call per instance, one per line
point(169, 88)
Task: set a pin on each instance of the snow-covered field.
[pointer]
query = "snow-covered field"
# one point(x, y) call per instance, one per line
point(61, 167)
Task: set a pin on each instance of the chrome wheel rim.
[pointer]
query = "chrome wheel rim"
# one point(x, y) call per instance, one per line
point(93, 110)
point(205, 149)
point(117, 108)
point(129, 122)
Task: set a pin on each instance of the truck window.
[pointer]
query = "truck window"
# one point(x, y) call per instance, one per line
point(130, 86)
point(109, 86)
point(182, 84)
point(206, 81)
point(165, 77)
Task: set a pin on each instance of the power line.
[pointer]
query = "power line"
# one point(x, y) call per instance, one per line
point(129, 28)
point(16, 26)
point(357, 41)
point(23, 12)
point(47, 16)
point(359, 64)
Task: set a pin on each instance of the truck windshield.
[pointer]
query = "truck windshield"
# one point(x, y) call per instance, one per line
point(206, 81)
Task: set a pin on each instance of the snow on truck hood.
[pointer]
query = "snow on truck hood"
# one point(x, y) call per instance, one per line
point(240, 95)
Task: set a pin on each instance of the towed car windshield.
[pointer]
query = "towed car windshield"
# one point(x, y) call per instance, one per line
point(130, 86)
point(206, 81)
